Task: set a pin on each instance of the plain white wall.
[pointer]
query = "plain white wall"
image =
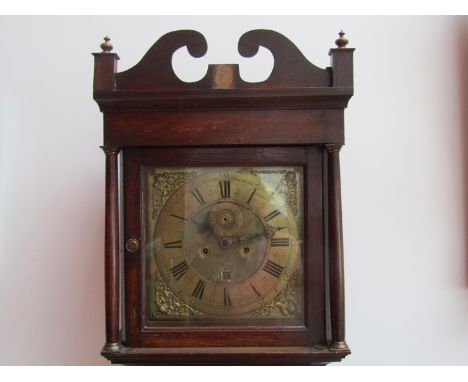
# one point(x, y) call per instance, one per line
point(404, 188)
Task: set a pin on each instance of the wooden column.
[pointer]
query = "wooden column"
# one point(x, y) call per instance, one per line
point(335, 236)
point(342, 77)
point(112, 281)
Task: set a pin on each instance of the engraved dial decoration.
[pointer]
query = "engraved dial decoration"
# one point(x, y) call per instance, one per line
point(224, 242)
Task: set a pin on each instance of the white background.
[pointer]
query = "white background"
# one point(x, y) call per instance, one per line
point(404, 181)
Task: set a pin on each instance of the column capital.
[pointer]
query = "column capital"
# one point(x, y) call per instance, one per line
point(332, 148)
point(109, 150)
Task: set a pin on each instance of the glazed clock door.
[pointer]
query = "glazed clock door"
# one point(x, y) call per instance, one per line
point(221, 246)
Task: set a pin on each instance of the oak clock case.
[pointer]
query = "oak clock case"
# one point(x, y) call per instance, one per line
point(223, 212)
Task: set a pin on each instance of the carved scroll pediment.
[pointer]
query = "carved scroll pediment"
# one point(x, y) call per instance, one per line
point(154, 72)
point(291, 69)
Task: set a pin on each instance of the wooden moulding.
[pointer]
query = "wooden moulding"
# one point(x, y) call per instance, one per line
point(224, 128)
point(276, 356)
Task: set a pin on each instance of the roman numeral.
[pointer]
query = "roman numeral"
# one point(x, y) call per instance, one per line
point(271, 215)
point(179, 270)
point(273, 269)
point(178, 217)
point(225, 189)
point(251, 196)
point(198, 291)
point(173, 244)
point(227, 298)
point(255, 291)
point(280, 242)
point(196, 194)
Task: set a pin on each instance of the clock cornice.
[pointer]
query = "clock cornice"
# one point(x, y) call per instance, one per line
point(294, 83)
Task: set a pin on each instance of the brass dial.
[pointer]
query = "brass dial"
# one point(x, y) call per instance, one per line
point(224, 243)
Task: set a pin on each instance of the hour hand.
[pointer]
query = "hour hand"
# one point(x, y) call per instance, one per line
point(250, 236)
point(201, 226)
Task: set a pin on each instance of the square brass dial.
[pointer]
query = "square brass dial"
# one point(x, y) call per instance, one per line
point(224, 244)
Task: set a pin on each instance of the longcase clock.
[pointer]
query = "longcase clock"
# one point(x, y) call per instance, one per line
point(223, 239)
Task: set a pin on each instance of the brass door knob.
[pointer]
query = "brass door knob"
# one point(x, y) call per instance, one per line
point(132, 245)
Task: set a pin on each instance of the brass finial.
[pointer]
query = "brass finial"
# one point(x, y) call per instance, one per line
point(106, 46)
point(341, 42)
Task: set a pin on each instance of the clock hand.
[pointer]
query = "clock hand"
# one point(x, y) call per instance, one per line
point(202, 227)
point(249, 237)
point(269, 232)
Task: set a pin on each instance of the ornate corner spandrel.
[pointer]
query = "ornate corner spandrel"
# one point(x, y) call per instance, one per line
point(167, 303)
point(285, 304)
point(291, 194)
point(163, 184)
point(288, 186)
